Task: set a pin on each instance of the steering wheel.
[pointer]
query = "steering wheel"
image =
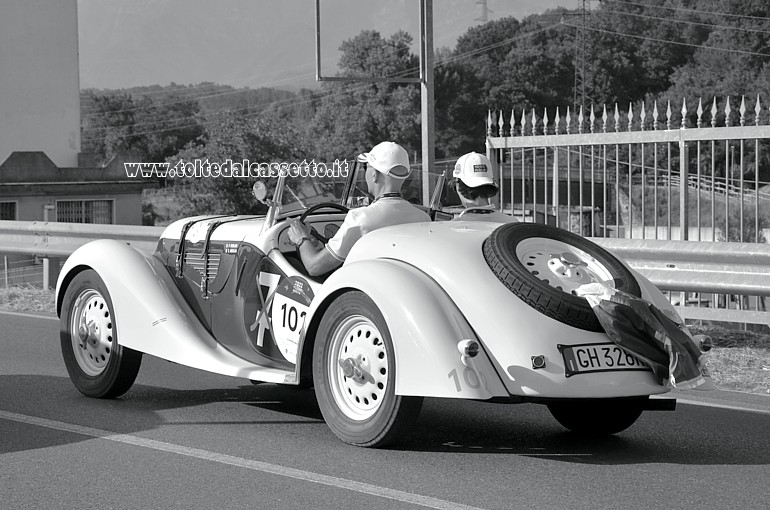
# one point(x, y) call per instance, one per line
point(314, 208)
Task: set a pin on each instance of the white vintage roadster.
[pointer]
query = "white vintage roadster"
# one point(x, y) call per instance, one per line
point(448, 309)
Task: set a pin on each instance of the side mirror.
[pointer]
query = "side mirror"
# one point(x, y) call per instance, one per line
point(259, 190)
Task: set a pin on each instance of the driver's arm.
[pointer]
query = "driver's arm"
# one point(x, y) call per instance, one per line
point(316, 258)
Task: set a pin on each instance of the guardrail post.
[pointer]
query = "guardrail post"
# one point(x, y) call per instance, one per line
point(50, 272)
point(5, 264)
point(684, 195)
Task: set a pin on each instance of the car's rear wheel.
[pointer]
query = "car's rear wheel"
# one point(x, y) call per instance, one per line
point(354, 375)
point(597, 417)
point(544, 266)
point(97, 364)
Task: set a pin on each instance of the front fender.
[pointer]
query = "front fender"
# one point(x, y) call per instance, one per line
point(424, 324)
point(151, 315)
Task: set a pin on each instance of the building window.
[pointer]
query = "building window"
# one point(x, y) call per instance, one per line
point(84, 211)
point(8, 211)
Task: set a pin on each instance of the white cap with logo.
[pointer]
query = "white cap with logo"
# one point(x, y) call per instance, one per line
point(389, 158)
point(474, 170)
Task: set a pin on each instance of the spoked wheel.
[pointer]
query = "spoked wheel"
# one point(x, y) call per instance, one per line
point(597, 417)
point(544, 266)
point(354, 375)
point(97, 364)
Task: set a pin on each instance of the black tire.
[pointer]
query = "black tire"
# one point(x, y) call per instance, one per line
point(346, 327)
point(500, 254)
point(99, 367)
point(595, 418)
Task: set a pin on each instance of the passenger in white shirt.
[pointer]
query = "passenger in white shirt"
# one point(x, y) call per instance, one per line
point(475, 186)
point(387, 169)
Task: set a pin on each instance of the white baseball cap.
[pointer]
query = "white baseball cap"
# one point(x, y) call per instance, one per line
point(389, 158)
point(474, 170)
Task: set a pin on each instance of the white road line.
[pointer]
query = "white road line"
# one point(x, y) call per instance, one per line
point(722, 406)
point(255, 465)
point(30, 315)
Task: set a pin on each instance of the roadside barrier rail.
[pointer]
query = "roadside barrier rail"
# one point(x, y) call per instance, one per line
point(724, 276)
point(52, 239)
point(718, 275)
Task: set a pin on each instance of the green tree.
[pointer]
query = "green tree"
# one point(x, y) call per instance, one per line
point(354, 117)
point(122, 123)
point(262, 139)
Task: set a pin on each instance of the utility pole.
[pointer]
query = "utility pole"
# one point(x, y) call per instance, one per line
point(426, 96)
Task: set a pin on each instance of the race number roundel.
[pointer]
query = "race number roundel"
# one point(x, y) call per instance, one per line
point(290, 306)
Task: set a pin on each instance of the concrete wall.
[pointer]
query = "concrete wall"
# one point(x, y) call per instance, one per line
point(39, 79)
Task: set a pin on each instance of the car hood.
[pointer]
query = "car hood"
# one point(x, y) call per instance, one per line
point(231, 228)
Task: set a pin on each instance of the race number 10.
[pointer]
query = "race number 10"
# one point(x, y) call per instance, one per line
point(470, 378)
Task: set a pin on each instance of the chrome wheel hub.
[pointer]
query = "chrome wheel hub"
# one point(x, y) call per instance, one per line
point(358, 367)
point(561, 265)
point(92, 332)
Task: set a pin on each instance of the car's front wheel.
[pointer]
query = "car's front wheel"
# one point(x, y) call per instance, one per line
point(597, 417)
point(97, 364)
point(354, 375)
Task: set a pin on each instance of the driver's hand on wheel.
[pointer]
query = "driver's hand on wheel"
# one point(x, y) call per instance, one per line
point(298, 232)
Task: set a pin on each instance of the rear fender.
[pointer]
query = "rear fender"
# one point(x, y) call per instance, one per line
point(151, 315)
point(424, 324)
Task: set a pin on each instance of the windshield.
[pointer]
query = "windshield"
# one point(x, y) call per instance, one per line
point(298, 193)
point(359, 195)
point(347, 188)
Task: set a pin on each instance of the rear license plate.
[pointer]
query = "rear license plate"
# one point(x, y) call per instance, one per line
point(605, 357)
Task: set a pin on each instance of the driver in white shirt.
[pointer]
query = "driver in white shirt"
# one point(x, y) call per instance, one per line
point(475, 186)
point(387, 169)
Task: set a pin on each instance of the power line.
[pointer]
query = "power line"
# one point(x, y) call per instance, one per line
point(672, 20)
point(666, 41)
point(210, 94)
point(202, 95)
point(695, 11)
point(199, 94)
point(342, 90)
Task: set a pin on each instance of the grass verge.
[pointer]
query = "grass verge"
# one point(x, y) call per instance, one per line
point(740, 360)
point(27, 300)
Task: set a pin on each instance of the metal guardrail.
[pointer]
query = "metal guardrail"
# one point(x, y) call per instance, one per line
point(678, 266)
point(721, 269)
point(52, 239)
point(692, 266)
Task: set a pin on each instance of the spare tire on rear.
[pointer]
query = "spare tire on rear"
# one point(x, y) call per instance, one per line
point(543, 266)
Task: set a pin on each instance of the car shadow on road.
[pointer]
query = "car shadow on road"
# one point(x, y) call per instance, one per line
point(691, 435)
point(55, 399)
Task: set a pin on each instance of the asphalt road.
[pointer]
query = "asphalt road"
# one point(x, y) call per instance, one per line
point(183, 438)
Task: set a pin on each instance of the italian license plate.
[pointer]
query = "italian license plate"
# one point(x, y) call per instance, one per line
point(604, 357)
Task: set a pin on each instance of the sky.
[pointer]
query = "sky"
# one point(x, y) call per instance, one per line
point(254, 43)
